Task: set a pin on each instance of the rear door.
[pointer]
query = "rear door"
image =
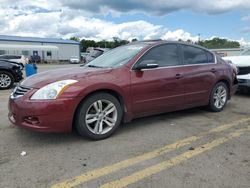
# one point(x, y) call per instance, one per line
point(199, 75)
point(159, 89)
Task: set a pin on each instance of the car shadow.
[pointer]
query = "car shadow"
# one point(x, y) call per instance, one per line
point(243, 93)
point(28, 136)
point(151, 121)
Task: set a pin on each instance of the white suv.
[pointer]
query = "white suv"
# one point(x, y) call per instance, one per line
point(15, 58)
point(243, 64)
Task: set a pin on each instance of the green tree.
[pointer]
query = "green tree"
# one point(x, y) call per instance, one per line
point(216, 43)
point(84, 44)
point(75, 39)
point(134, 40)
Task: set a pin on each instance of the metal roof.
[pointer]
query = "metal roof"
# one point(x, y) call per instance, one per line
point(36, 39)
point(28, 47)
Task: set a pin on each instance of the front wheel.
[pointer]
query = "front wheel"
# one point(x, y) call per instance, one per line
point(98, 116)
point(219, 97)
point(6, 80)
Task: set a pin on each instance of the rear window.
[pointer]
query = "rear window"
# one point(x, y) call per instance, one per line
point(14, 57)
point(10, 57)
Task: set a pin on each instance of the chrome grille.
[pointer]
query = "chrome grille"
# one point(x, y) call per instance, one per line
point(19, 91)
point(242, 81)
point(243, 70)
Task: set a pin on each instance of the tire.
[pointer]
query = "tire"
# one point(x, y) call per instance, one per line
point(218, 97)
point(98, 116)
point(6, 80)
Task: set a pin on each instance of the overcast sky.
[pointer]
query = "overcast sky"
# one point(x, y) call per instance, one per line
point(127, 19)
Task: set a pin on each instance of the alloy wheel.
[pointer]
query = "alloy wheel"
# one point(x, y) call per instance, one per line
point(220, 97)
point(5, 80)
point(101, 117)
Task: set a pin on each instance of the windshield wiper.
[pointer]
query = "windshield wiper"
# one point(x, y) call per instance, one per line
point(95, 66)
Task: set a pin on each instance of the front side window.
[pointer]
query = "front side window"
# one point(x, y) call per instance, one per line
point(165, 55)
point(193, 55)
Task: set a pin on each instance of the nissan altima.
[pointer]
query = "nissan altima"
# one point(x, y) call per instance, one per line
point(135, 80)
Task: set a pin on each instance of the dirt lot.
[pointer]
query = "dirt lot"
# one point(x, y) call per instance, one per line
point(191, 148)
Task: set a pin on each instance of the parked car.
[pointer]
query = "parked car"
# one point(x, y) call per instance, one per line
point(20, 59)
point(96, 52)
point(244, 82)
point(74, 59)
point(243, 64)
point(131, 81)
point(20, 65)
point(9, 73)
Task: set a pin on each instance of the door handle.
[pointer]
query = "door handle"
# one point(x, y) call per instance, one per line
point(213, 70)
point(178, 76)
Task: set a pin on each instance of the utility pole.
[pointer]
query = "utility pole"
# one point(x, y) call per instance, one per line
point(199, 38)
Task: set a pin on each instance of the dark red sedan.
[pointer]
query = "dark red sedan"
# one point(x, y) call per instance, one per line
point(131, 81)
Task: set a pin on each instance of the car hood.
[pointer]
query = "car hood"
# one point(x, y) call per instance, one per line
point(239, 61)
point(47, 77)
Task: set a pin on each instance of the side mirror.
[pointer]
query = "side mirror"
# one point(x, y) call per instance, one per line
point(147, 64)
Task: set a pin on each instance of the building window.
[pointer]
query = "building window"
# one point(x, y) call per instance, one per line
point(35, 53)
point(49, 53)
point(2, 52)
point(25, 52)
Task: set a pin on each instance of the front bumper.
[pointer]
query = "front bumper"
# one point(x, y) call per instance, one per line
point(43, 115)
point(244, 83)
point(18, 75)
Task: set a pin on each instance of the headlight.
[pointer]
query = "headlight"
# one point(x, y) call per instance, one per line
point(53, 90)
point(15, 65)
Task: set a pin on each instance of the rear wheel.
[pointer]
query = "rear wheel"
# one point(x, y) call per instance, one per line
point(98, 116)
point(219, 97)
point(6, 80)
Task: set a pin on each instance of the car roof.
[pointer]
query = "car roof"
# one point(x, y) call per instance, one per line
point(159, 41)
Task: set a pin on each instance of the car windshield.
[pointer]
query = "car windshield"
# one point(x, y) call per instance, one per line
point(246, 52)
point(117, 57)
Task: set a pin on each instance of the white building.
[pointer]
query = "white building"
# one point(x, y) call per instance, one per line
point(228, 51)
point(47, 48)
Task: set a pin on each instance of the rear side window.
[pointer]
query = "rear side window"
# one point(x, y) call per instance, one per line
point(193, 55)
point(14, 57)
point(165, 55)
point(210, 57)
